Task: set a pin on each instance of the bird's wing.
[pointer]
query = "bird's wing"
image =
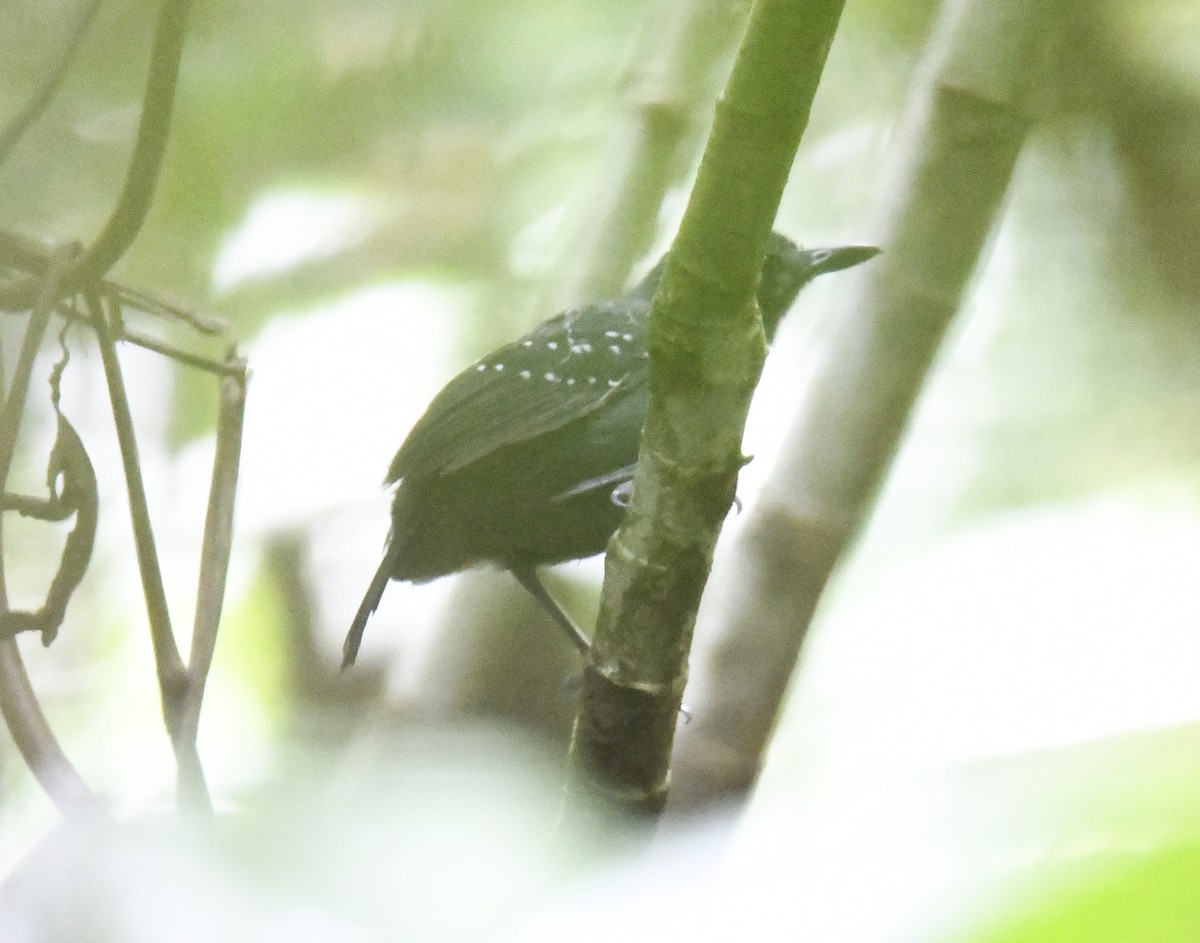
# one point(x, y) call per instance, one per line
point(563, 370)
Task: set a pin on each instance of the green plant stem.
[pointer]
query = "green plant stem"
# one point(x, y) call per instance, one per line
point(965, 122)
point(142, 177)
point(706, 353)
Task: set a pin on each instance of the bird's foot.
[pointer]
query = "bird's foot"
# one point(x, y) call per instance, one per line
point(527, 577)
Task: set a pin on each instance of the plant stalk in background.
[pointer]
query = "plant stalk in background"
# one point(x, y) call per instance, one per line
point(966, 119)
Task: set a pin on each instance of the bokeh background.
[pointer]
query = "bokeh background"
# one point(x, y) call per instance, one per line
point(995, 730)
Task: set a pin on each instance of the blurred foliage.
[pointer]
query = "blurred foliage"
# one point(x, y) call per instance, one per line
point(1129, 849)
point(460, 144)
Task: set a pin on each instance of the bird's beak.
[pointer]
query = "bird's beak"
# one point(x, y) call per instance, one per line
point(835, 259)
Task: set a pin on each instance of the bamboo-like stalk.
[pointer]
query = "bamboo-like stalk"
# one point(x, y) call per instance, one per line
point(668, 89)
point(966, 119)
point(1154, 128)
point(707, 349)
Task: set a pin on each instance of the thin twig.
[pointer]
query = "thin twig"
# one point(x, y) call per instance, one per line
point(172, 673)
point(21, 122)
point(22, 254)
point(14, 407)
point(121, 332)
point(214, 555)
point(208, 324)
point(144, 165)
point(18, 702)
point(40, 749)
point(222, 368)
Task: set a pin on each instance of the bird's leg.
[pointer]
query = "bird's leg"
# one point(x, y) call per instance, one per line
point(527, 577)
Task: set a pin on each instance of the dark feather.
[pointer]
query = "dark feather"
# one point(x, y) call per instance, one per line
point(563, 370)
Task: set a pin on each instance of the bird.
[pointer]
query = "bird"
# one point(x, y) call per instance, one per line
point(526, 457)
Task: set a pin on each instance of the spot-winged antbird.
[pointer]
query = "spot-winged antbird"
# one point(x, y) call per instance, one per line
point(526, 457)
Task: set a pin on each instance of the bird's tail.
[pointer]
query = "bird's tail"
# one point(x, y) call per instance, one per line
point(368, 606)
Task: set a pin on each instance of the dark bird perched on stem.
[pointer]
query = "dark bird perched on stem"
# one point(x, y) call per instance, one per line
point(525, 458)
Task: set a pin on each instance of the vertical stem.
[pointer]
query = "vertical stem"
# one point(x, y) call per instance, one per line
point(706, 347)
point(214, 555)
point(172, 674)
point(144, 165)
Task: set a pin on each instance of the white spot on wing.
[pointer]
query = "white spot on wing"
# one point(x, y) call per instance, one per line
point(614, 348)
point(552, 345)
point(552, 377)
point(525, 374)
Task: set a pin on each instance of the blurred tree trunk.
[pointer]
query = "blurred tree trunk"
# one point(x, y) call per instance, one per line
point(965, 122)
point(1154, 118)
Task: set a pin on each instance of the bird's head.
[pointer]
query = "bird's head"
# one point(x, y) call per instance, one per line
point(787, 268)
